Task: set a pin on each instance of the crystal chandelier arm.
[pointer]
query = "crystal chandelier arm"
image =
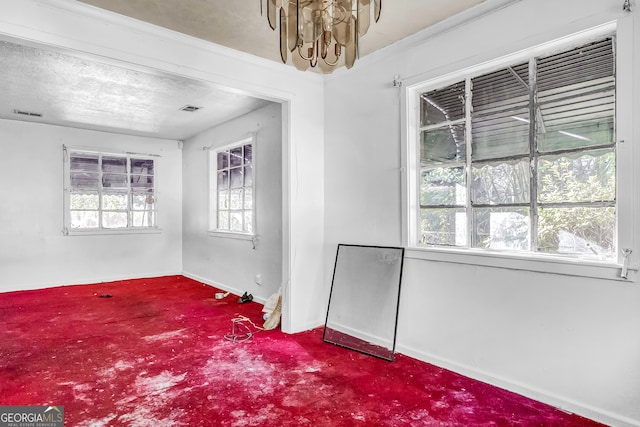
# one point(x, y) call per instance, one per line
point(363, 16)
point(351, 49)
point(283, 36)
point(292, 24)
point(271, 13)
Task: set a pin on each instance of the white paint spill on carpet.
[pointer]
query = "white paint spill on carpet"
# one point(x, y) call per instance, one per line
point(165, 336)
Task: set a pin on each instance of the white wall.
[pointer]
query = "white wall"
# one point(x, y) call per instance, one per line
point(33, 251)
point(573, 342)
point(228, 263)
point(86, 30)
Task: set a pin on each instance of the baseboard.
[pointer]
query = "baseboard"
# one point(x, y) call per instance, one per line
point(372, 339)
point(87, 281)
point(221, 286)
point(544, 396)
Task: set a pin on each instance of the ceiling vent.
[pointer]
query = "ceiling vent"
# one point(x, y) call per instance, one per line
point(27, 113)
point(190, 108)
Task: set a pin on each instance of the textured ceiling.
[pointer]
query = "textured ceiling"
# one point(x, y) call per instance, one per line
point(242, 24)
point(77, 92)
point(93, 93)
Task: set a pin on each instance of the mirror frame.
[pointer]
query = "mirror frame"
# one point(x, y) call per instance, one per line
point(348, 340)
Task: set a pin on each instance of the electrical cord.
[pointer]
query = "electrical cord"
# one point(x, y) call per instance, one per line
point(240, 332)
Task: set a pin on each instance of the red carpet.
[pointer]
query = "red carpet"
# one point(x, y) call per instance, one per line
point(154, 354)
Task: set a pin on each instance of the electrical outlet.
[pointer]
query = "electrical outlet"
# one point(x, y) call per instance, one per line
point(259, 279)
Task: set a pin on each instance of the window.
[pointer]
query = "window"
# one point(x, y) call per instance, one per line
point(522, 158)
point(107, 191)
point(232, 184)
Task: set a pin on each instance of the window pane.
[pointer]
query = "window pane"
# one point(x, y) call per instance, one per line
point(83, 162)
point(236, 177)
point(442, 144)
point(114, 164)
point(248, 198)
point(235, 221)
point(84, 180)
point(236, 199)
point(248, 154)
point(110, 180)
point(578, 231)
point(248, 176)
point(223, 199)
point(223, 180)
point(499, 136)
point(443, 187)
point(142, 201)
point(223, 220)
point(142, 166)
point(114, 219)
point(500, 119)
point(500, 183)
point(144, 219)
point(141, 181)
point(82, 201)
point(501, 90)
point(223, 160)
point(116, 202)
point(235, 157)
point(443, 105)
point(577, 101)
point(502, 228)
point(248, 222)
point(84, 219)
point(578, 177)
point(443, 227)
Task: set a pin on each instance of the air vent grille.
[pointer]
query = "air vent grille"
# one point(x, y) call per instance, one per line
point(27, 113)
point(190, 108)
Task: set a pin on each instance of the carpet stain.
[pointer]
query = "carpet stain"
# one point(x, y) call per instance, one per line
point(157, 385)
point(165, 336)
point(102, 422)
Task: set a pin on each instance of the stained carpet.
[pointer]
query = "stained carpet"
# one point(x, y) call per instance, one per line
point(152, 352)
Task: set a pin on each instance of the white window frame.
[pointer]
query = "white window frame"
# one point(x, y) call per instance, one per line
point(213, 191)
point(67, 230)
point(529, 261)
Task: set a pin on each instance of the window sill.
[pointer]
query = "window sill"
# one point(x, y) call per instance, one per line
point(231, 235)
point(535, 263)
point(111, 232)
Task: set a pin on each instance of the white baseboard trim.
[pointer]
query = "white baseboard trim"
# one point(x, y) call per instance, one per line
point(307, 326)
point(561, 402)
point(221, 286)
point(73, 281)
point(365, 336)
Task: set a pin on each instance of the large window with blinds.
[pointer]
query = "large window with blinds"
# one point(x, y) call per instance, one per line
point(522, 158)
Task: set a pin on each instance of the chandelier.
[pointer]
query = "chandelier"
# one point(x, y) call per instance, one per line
point(321, 32)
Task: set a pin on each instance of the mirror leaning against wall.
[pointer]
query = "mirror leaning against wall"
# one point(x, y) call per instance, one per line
point(363, 304)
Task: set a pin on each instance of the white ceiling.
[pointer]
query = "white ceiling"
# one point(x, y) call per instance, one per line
point(95, 94)
point(86, 93)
